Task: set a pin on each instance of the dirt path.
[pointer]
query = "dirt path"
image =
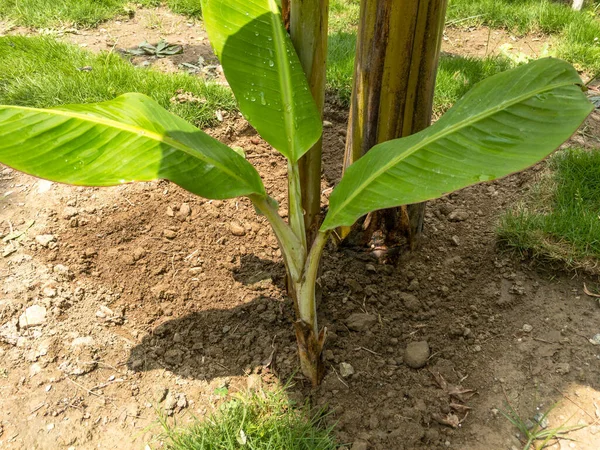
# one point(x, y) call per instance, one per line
point(148, 298)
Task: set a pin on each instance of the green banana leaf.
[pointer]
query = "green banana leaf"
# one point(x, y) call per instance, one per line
point(264, 72)
point(130, 138)
point(505, 124)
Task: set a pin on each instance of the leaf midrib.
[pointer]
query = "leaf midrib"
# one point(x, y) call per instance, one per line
point(439, 135)
point(283, 64)
point(133, 130)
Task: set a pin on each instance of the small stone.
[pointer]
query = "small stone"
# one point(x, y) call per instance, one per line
point(184, 211)
point(410, 302)
point(595, 340)
point(361, 321)
point(346, 370)
point(89, 252)
point(563, 368)
point(170, 403)
point(45, 239)
point(527, 328)
point(416, 354)
point(182, 401)
point(138, 253)
point(327, 124)
point(160, 393)
point(9, 250)
point(34, 369)
point(49, 292)
point(170, 212)
point(50, 427)
point(63, 272)
point(169, 234)
point(236, 229)
point(32, 317)
point(455, 241)
point(359, 445)
point(458, 215)
point(177, 338)
point(83, 341)
point(69, 212)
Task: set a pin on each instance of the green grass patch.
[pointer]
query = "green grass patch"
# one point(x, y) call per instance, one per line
point(577, 33)
point(188, 7)
point(83, 13)
point(259, 421)
point(43, 72)
point(343, 15)
point(559, 220)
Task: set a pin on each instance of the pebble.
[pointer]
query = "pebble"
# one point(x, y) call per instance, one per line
point(83, 341)
point(346, 370)
point(182, 401)
point(458, 215)
point(49, 292)
point(361, 321)
point(45, 239)
point(563, 368)
point(527, 328)
point(69, 212)
point(410, 302)
point(160, 393)
point(169, 234)
point(89, 252)
point(359, 445)
point(170, 403)
point(327, 124)
point(184, 211)
point(416, 354)
point(236, 229)
point(32, 317)
point(138, 253)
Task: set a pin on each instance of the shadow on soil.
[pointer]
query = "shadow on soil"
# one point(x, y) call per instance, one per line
point(216, 343)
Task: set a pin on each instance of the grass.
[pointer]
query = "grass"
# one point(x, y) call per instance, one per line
point(577, 34)
point(56, 13)
point(260, 421)
point(559, 221)
point(535, 433)
point(189, 8)
point(82, 13)
point(42, 72)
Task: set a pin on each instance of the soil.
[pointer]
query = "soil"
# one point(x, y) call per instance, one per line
point(155, 302)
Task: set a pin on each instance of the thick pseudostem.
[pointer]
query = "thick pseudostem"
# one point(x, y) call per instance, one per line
point(394, 79)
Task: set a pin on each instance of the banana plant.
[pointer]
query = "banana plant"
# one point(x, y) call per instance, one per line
point(504, 124)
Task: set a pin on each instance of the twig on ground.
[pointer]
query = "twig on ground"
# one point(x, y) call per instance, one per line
point(367, 350)
point(587, 292)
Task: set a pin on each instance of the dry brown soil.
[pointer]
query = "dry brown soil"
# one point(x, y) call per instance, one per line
point(154, 301)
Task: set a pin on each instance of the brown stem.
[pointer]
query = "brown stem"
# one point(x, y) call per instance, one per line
point(310, 350)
